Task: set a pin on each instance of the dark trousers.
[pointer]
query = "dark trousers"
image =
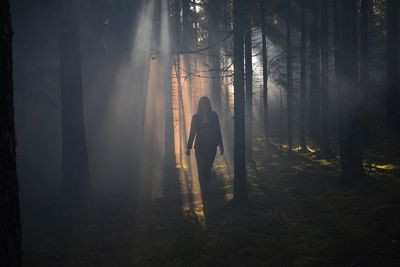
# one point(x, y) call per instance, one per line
point(205, 158)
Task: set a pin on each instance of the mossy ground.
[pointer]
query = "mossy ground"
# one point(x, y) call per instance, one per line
point(298, 214)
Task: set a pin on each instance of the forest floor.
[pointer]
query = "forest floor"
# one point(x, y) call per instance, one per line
point(298, 214)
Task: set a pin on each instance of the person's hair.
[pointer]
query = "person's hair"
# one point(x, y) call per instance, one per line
point(204, 106)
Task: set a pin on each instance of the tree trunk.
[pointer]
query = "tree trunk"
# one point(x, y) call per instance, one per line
point(188, 44)
point(349, 101)
point(325, 79)
point(187, 27)
point(240, 183)
point(303, 71)
point(75, 159)
point(314, 118)
point(249, 82)
point(265, 74)
point(364, 70)
point(10, 226)
point(289, 74)
point(392, 66)
point(170, 161)
point(338, 68)
point(215, 57)
point(177, 25)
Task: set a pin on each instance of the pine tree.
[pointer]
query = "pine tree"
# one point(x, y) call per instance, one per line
point(240, 183)
point(10, 226)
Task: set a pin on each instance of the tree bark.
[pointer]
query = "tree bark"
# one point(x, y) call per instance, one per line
point(325, 79)
point(338, 68)
point(265, 74)
point(215, 57)
point(240, 183)
point(315, 105)
point(303, 71)
point(392, 65)
point(289, 74)
point(249, 82)
point(170, 161)
point(349, 101)
point(75, 158)
point(10, 226)
point(364, 70)
point(188, 44)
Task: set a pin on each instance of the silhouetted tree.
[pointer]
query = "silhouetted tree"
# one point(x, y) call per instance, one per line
point(215, 57)
point(265, 73)
point(170, 161)
point(349, 99)
point(240, 183)
point(392, 65)
point(303, 72)
point(187, 41)
point(75, 158)
point(289, 73)
point(187, 24)
point(249, 80)
point(324, 41)
point(10, 227)
point(364, 69)
point(314, 104)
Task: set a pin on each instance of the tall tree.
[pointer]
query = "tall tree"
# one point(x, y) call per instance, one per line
point(314, 104)
point(187, 41)
point(170, 161)
point(392, 65)
point(364, 69)
point(265, 73)
point(186, 22)
point(349, 99)
point(337, 56)
point(324, 41)
point(249, 81)
point(289, 74)
point(303, 71)
point(75, 159)
point(240, 181)
point(10, 226)
point(214, 52)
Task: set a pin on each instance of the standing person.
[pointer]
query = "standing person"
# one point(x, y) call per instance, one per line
point(207, 131)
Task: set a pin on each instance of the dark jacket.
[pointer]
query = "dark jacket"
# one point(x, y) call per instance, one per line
point(206, 131)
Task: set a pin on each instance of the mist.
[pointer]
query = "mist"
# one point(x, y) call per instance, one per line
point(294, 163)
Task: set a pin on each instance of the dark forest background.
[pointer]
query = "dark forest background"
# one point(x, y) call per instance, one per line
point(95, 103)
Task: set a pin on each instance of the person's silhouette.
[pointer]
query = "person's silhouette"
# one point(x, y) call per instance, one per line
point(206, 130)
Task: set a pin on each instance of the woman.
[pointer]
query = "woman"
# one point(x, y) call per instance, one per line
point(206, 129)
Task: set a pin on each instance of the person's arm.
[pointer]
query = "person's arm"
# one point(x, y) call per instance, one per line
point(219, 135)
point(192, 135)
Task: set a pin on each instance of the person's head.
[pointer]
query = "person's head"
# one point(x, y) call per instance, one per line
point(204, 106)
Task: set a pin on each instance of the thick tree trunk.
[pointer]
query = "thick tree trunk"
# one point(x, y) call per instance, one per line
point(303, 71)
point(75, 158)
point(10, 226)
point(392, 65)
point(265, 74)
point(315, 105)
point(289, 74)
point(349, 101)
point(325, 79)
point(240, 183)
point(249, 82)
